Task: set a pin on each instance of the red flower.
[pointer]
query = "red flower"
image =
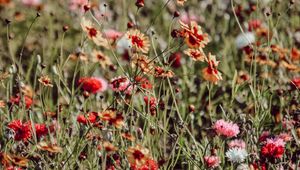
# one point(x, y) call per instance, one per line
point(174, 60)
point(274, 148)
point(16, 101)
point(254, 24)
point(149, 165)
point(92, 85)
point(22, 130)
point(41, 130)
point(296, 82)
point(144, 82)
point(90, 117)
point(140, 3)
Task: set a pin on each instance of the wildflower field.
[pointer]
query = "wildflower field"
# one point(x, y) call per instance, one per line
point(150, 84)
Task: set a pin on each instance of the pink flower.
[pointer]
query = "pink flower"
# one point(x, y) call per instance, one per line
point(286, 137)
point(212, 161)
point(227, 129)
point(112, 34)
point(237, 143)
point(121, 84)
point(31, 2)
point(186, 18)
point(77, 5)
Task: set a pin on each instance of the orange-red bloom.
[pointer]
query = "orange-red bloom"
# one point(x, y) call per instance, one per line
point(22, 131)
point(194, 37)
point(211, 73)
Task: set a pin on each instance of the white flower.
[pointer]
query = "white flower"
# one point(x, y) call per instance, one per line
point(244, 39)
point(237, 155)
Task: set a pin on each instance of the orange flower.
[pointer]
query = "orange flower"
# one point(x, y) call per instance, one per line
point(109, 147)
point(49, 147)
point(79, 55)
point(137, 155)
point(8, 159)
point(194, 37)
point(93, 33)
point(181, 2)
point(280, 51)
point(196, 54)
point(290, 67)
point(295, 54)
point(260, 59)
point(128, 136)
point(142, 62)
point(103, 60)
point(243, 77)
point(112, 117)
point(138, 40)
point(160, 72)
point(211, 73)
point(46, 81)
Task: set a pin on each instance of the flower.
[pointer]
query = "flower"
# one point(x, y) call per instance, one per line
point(244, 39)
point(109, 147)
point(296, 82)
point(181, 2)
point(194, 37)
point(40, 129)
point(142, 62)
point(149, 165)
point(211, 73)
point(93, 33)
point(143, 82)
point(175, 60)
point(16, 101)
point(273, 148)
point(227, 129)
point(286, 137)
point(137, 155)
point(112, 117)
point(22, 131)
point(160, 72)
point(8, 160)
point(103, 60)
point(31, 2)
point(237, 155)
point(92, 84)
point(49, 147)
point(46, 81)
point(90, 117)
point(140, 3)
point(112, 34)
point(237, 143)
point(295, 54)
point(254, 24)
point(212, 161)
point(196, 54)
point(138, 40)
point(120, 84)
point(152, 103)
point(128, 136)
point(77, 5)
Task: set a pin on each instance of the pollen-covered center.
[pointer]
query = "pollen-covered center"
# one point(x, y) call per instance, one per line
point(92, 32)
point(137, 41)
